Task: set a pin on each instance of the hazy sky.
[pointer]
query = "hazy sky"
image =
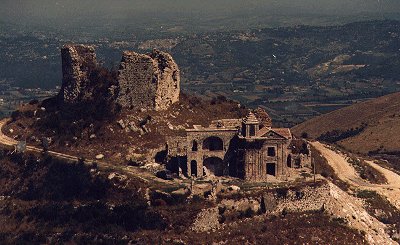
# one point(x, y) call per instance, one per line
point(52, 8)
point(41, 10)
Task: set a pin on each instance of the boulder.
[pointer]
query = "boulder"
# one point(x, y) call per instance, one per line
point(99, 157)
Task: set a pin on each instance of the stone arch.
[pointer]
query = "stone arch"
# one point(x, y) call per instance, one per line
point(194, 145)
point(215, 165)
point(213, 143)
point(193, 168)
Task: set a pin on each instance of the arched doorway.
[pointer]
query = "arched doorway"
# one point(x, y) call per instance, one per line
point(193, 168)
point(213, 144)
point(289, 161)
point(215, 165)
point(271, 169)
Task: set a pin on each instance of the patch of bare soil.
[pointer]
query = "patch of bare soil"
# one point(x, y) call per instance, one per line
point(346, 172)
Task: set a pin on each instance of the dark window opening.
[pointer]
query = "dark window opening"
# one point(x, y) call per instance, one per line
point(252, 130)
point(271, 151)
point(214, 165)
point(194, 146)
point(213, 144)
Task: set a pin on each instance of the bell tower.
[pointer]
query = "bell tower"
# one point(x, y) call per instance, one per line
point(250, 126)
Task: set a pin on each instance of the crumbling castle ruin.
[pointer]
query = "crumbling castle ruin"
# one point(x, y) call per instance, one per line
point(77, 61)
point(143, 82)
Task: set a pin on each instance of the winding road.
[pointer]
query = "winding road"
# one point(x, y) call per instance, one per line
point(347, 173)
point(338, 161)
point(137, 173)
point(7, 141)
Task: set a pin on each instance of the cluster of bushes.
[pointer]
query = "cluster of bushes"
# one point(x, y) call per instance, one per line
point(99, 216)
point(299, 146)
point(338, 135)
point(50, 179)
point(218, 100)
point(388, 214)
point(367, 172)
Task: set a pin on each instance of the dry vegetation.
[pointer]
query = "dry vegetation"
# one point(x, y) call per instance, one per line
point(53, 201)
point(366, 127)
point(78, 131)
point(381, 209)
point(366, 171)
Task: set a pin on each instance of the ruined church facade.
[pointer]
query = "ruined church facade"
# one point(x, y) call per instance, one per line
point(244, 148)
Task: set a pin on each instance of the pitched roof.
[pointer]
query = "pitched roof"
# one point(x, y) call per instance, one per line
point(251, 119)
point(284, 132)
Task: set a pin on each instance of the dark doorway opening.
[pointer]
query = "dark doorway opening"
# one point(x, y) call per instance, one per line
point(215, 165)
point(297, 163)
point(271, 169)
point(193, 168)
point(175, 162)
point(289, 161)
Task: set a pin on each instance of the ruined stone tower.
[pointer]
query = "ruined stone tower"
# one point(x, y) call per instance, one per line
point(144, 81)
point(148, 81)
point(77, 61)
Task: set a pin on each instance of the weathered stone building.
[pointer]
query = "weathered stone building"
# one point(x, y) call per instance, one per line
point(248, 148)
point(144, 81)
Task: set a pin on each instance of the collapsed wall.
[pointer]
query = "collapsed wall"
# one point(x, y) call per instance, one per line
point(77, 61)
point(148, 81)
point(144, 81)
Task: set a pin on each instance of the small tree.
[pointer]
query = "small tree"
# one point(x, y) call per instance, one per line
point(304, 135)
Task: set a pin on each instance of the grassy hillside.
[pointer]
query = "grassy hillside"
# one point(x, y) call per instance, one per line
point(367, 127)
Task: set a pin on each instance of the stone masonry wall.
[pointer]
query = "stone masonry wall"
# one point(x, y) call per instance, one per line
point(148, 81)
point(144, 81)
point(76, 63)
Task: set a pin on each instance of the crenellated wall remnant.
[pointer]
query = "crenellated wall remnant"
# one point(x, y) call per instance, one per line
point(144, 81)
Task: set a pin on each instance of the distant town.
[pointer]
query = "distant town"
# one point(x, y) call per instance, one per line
point(11, 97)
point(295, 73)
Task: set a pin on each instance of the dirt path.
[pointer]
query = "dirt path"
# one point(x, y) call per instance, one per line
point(347, 173)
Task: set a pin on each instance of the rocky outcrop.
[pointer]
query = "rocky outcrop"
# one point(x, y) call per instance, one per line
point(77, 61)
point(143, 82)
point(148, 81)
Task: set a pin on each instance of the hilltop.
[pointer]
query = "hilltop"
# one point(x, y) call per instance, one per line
point(115, 114)
point(367, 127)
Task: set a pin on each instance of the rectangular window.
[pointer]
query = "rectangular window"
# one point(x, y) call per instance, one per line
point(252, 130)
point(271, 151)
